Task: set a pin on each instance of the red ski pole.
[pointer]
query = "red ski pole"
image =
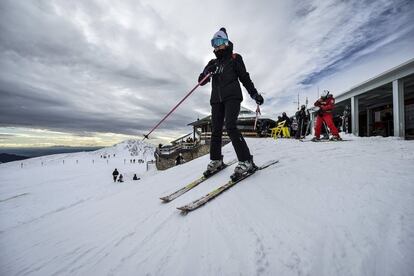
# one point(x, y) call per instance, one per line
point(175, 107)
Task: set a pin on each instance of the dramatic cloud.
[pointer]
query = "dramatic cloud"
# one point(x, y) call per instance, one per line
point(119, 66)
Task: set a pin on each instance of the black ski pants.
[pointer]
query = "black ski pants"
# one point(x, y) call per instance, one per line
point(229, 111)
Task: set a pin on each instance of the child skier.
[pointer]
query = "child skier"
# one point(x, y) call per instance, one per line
point(226, 96)
point(326, 104)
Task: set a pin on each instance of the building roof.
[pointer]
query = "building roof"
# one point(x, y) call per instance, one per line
point(182, 137)
point(245, 114)
point(201, 121)
point(398, 72)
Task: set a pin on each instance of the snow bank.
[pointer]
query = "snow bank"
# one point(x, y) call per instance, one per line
point(344, 208)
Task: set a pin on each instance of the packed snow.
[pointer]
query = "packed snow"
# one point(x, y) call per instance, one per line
point(339, 208)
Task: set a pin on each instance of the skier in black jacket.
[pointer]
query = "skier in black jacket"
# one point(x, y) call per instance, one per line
point(226, 96)
point(287, 119)
point(302, 117)
point(179, 160)
point(115, 174)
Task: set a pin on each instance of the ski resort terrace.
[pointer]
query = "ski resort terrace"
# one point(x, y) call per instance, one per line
point(382, 105)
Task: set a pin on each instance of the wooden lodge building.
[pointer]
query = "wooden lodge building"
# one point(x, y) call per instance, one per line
point(245, 123)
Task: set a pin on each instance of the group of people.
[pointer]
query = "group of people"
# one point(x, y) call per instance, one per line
point(298, 126)
point(120, 178)
point(140, 161)
point(292, 124)
point(107, 156)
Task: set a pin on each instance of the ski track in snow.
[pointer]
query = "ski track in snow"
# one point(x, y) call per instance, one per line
point(296, 218)
point(13, 197)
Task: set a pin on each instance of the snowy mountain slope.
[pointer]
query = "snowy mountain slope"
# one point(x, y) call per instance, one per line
point(130, 148)
point(326, 209)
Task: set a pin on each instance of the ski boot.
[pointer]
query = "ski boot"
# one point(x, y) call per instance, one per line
point(316, 139)
point(243, 168)
point(336, 138)
point(213, 166)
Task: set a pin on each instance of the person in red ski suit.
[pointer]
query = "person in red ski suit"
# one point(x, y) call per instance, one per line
point(326, 104)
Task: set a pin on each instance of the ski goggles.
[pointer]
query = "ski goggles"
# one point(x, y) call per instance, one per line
point(218, 41)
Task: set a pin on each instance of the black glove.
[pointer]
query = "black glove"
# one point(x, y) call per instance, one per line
point(211, 69)
point(258, 98)
point(201, 77)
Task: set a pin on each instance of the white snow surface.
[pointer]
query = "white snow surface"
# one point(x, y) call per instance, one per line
point(343, 208)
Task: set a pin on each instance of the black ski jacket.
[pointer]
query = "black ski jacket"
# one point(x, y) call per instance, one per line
point(302, 115)
point(225, 84)
point(288, 121)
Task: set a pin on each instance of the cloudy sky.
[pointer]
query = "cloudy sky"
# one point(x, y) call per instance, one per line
point(96, 72)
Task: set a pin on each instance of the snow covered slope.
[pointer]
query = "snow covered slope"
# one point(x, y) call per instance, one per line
point(130, 149)
point(343, 208)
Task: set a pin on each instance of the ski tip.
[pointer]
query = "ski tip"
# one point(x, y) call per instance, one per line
point(183, 210)
point(165, 199)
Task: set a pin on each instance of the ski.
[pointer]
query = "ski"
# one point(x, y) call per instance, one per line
point(193, 184)
point(324, 141)
point(204, 199)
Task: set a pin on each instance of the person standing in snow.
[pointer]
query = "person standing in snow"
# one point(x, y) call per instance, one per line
point(179, 160)
point(288, 124)
point(279, 120)
point(325, 105)
point(115, 174)
point(287, 119)
point(302, 118)
point(121, 178)
point(227, 70)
